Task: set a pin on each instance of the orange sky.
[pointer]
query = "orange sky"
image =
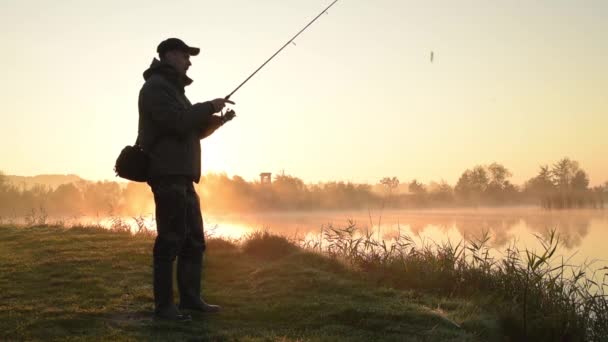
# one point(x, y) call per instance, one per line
point(356, 99)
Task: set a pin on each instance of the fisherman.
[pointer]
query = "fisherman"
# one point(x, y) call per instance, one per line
point(170, 130)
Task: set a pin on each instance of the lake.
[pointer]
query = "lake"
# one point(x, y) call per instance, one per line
point(583, 233)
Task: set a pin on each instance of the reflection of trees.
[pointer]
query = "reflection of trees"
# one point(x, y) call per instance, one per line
point(417, 227)
point(469, 224)
point(500, 224)
point(572, 227)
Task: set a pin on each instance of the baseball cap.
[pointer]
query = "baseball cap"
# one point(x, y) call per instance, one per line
point(176, 44)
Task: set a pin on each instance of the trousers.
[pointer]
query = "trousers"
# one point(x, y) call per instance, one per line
point(180, 235)
point(179, 223)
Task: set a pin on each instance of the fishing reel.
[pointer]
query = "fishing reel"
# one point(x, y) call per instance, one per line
point(227, 116)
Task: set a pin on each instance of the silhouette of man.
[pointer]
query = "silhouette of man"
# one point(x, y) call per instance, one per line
point(170, 130)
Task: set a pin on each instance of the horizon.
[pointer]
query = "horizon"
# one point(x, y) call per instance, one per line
point(520, 85)
point(592, 182)
point(402, 181)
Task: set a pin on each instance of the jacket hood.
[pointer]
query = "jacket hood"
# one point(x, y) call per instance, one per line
point(168, 71)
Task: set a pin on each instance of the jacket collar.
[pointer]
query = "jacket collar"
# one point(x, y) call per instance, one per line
point(168, 72)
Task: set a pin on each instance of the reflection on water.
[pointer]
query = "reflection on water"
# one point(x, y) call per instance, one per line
point(582, 232)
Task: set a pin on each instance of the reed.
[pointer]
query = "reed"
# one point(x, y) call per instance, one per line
point(537, 295)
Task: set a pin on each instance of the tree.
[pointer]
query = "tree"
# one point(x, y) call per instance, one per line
point(498, 176)
point(416, 188)
point(6, 199)
point(463, 186)
point(390, 184)
point(291, 191)
point(499, 188)
point(66, 199)
point(472, 184)
point(563, 172)
point(3, 181)
point(441, 191)
point(580, 181)
point(542, 184)
point(572, 184)
point(479, 179)
point(100, 197)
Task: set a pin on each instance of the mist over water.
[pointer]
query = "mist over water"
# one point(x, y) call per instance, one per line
point(581, 232)
point(482, 202)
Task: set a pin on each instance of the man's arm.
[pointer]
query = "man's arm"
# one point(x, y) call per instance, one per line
point(214, 123)
point(165, 111)
point(217, 121)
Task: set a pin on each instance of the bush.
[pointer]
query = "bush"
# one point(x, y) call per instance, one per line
point(268, 246)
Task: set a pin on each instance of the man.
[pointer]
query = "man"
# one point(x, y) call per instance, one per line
point(170, 130)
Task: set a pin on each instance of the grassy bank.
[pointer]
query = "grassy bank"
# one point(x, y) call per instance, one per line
point(87, 283)
point(93, 283)
point(536, 295)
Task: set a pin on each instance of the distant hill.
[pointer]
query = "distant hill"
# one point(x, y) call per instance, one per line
point(52, 181)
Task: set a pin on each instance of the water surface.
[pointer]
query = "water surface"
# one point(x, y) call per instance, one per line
point(583, 233)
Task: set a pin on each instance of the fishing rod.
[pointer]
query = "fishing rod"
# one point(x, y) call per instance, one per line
point(281, 49)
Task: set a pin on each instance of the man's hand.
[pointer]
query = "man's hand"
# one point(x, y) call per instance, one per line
point(216, 121)
point(219, 120)
point(219, 104)
point(229, 115)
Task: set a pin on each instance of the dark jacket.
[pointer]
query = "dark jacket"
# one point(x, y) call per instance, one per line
point(170, 127)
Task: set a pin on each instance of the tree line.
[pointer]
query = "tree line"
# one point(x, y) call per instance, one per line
point(561, 185)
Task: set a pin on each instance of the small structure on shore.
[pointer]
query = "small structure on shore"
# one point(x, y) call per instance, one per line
point(266, 178)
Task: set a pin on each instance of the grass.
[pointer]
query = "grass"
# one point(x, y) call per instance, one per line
point(534, 295)
point(94, 284)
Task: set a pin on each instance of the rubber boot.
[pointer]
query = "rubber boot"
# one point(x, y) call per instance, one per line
point(189, 285)
point(164, 308)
